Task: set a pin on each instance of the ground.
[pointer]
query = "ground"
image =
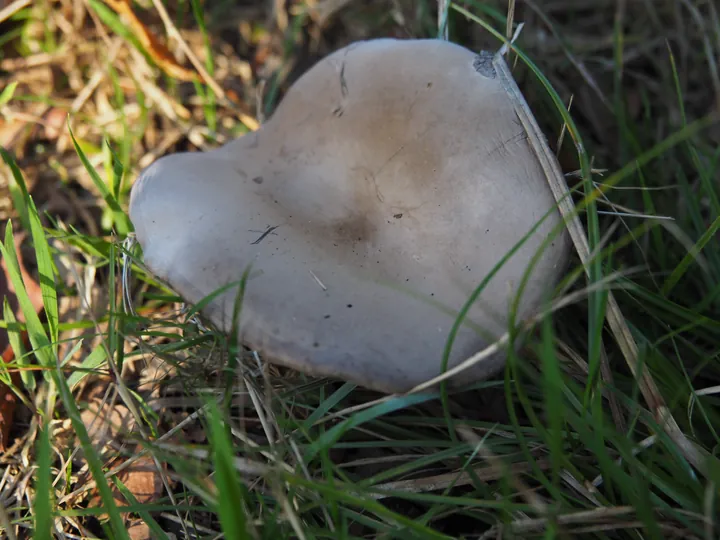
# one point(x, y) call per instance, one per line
point(122, 415)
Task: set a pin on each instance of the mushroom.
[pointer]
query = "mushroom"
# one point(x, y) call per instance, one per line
point(391, 179)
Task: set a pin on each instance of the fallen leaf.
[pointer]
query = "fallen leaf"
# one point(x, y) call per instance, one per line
point(142, 479)
point(8, 399)
point(106, 422)
point(160, 54)
point(139, 530)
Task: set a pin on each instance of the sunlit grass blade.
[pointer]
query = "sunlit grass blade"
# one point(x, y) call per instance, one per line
point(43, 489)
point(42, 251)
point(18, 189)
point(16, 343)
point(231, 491)
point(91, 362)
point(7, 93)
point(120, 218)
point(93, 460)
point(42, 347)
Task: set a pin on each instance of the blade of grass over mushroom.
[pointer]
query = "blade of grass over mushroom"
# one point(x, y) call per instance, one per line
point(231, 491)
point(234, 339)
point(202, 304)
point(120, 218)
point(466, 309)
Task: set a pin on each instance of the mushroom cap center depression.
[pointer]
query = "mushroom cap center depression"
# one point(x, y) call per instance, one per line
point(391, 179)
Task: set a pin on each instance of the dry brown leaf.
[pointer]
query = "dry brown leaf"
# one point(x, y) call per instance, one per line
point(160, 54)
point(106, 422)
point(143, 480)
point(139, 530)
point(8, 400)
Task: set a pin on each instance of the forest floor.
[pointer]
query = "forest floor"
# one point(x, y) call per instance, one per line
point(122, 417)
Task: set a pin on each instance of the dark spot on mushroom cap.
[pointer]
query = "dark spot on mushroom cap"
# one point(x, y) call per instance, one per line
point(397, 216)
point(258, 179)
point(483, 64)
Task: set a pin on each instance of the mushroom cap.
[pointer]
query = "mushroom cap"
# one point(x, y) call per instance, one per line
point(390, 180)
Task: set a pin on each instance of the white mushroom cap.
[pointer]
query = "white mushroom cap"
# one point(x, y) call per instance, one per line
point(389, 182)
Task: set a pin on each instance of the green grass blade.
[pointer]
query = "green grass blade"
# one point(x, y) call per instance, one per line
point(144, 514)
point(327, 404)
point(552, 390)
point(36, 333)
point(42, 251)
point(46, 270)
point(91, 362)
point(120, 218)
point(7, 94)
point(690, 257)
point(18, 189)
point(231, 492)
point(332, 435)
point(93, 460)
point(43, 488)
point(17, 346)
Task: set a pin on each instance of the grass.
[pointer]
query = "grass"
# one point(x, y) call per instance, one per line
point(566, 442)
